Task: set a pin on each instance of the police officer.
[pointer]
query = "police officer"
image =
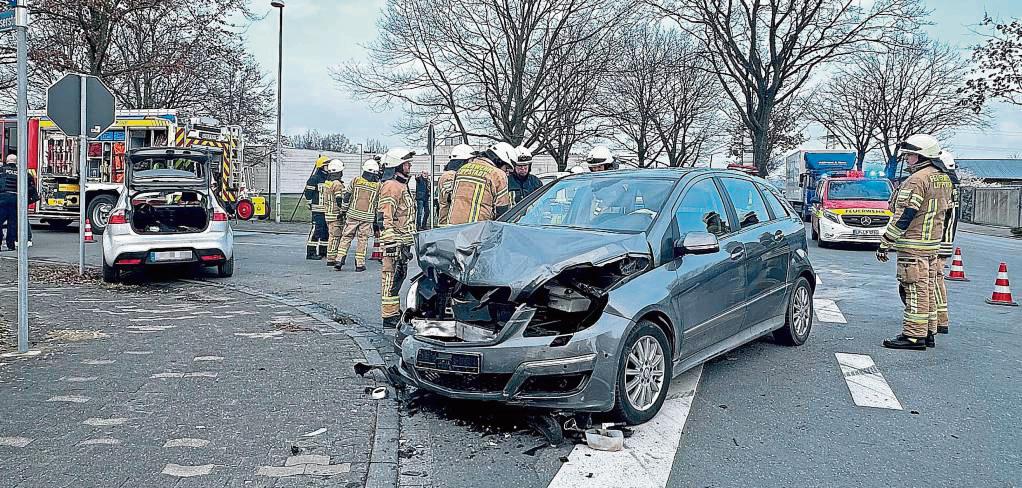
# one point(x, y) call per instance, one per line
point(333, 200)
point(947, 243)
point(915, 231)
point(480, 186)
point(397, 214)
point(319, 235)
point(460, 155)
point(360, 206)
point(9, 201)
point(601, 159)
point(521, 182)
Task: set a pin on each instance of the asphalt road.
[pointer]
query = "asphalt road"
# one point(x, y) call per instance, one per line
point(763, 415)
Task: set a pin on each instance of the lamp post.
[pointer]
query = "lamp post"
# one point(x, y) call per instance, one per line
point(280, 69)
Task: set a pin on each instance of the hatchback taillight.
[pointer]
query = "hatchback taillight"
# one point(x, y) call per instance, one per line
point(219, 217)
point(118, 217)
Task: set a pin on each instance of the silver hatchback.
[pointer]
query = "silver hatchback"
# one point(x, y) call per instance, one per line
point(167, 215)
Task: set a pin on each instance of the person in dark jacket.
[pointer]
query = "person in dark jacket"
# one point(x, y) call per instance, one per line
point(9, 201)
point(521, 182)
point(422, 195)
point(319, 235)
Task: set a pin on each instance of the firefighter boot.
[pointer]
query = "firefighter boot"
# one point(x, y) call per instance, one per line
point(930, 341)
point(906, 342)
point(359, 268)
point(331, 263)
point(340, 264)
point(310, 253)
point(943, 329)
point(391, 322)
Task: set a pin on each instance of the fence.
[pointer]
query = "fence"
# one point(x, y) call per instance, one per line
point(993, 206)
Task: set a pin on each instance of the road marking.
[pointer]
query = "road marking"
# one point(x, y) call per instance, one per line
point(208, 358)
point(260, 335)
point(98, 422)
point(99, 362)
point(69, 399)
point(648, 455)
point(199, 374)
point(819, 279)
point(827, 311)
point(187, 471)
point(79, 379)
point(865, 382)
point(186, 442)
point(102, 441)
point(18, 442)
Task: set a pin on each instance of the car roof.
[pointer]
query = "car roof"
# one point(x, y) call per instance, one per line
point(668, 173)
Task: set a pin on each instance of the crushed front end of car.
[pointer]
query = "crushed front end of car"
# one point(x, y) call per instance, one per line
point(518, 314)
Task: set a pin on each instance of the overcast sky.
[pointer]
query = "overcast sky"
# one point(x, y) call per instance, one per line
point(319, 34)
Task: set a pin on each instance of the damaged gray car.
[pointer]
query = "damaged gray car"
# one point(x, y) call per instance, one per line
point(591, 294)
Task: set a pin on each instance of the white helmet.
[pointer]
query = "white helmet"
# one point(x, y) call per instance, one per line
point(462, 151)
point(599, 155)
point(370, 166)
point(924, 145)
point(335, 166)
point(397, 156)
point(579, 169)
point(524, 155)
point(949, 160)
point(505, 154)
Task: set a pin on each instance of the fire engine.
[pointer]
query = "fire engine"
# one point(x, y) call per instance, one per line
point(53, 160)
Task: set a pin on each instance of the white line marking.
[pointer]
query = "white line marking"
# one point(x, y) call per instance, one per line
point(865, 382)
point(827, 311)
point(102, 441)
point(208, 358)
point(648, 455)
point(819, 279)
point(18, 442)
point(69, 399)
point(186, 442)
point(187, 471)
point(99, 422)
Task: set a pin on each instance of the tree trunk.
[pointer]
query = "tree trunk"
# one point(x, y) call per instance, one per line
point(860, 154)
point(761, 149)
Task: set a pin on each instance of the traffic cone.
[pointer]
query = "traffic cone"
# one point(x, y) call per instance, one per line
point(88, 231)
point(1002, 292)
point(377, 252)
point(957, 270)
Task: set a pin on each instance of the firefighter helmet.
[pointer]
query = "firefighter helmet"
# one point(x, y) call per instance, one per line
point(524, 156)
point(598, 156)
point(321, 161)
point(949, 160)
point(502, 154)
point(462, 151)
point(579, 169)
point(397, 156)
point(335, 166)
point(924, 145)
point(370, 166)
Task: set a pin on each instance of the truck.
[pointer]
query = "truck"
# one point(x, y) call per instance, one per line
point(803, 170)
point(53, 160)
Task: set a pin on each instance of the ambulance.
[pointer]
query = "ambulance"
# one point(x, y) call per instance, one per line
point(850, 208)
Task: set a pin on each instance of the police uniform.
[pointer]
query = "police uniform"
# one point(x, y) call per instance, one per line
point(479, 192)
point(319, 235)
point(360, 205)
point(9, 204)
point(333, 195)
point(397, 212)
point(915, 231)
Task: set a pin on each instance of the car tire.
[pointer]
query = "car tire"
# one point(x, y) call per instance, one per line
point(58, 224)
point(226, 270)
point(111, 274)
point(815, 233)
point(798, 317)
point(98, 206)
point(625, 408)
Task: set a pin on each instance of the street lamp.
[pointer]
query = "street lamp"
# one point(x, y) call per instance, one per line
point(280, 69)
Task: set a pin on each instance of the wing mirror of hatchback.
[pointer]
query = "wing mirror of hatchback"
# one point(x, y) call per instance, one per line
point(697, 243)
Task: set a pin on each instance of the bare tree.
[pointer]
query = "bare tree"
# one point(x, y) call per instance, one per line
point(788, 127)
point(634, 91)
point(764, 51)
point(998, 61)
point(688, 121)
point(848, 107)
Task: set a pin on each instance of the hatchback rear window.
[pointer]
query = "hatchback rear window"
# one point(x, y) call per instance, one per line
point(168, 168)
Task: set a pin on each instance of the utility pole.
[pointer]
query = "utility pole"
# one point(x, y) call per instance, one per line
point(280, 70)
point(21, 23)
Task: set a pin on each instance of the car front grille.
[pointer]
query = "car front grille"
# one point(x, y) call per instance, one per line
point(867, 221)
point(472, 383)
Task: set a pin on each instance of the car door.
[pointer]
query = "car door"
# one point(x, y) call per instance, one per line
point(708, 288)
point(767, 251)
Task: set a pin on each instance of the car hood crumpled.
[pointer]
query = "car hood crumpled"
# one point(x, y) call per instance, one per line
point(495, 253)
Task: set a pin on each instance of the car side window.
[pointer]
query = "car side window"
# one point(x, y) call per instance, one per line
point(702, 210)
point(749, 205)
point(774, 202)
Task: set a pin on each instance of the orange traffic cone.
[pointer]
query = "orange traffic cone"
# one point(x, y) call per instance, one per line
point(957, 270)
point(88, 231)
point(377, 252)
point(1002, 292)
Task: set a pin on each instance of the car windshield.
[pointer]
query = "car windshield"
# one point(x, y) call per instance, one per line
point(879, 190)
point(168, 168)
point(610, 204)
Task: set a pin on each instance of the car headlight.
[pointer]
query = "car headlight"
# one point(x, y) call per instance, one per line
point(412, 300)
point(831, 216)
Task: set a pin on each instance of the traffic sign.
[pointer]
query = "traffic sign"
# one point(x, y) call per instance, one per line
point(8, 12)
point(63, 105)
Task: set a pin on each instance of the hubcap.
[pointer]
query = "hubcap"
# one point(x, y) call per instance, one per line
point(644, 373)
point(101, 215)
point(801, 311)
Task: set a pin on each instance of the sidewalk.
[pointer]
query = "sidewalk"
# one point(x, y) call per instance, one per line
point(989, 230)
point(177, 384)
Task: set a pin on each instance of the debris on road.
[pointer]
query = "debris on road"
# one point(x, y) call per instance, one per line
point(603, 439)
point(379, 393)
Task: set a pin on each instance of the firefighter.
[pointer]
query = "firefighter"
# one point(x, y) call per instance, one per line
point(460, 155)
point(947, 243)
point(315, 246)
point(601, 159)
point(333, 200)
point(397, 216)
point(915, 231)
point(521, 182)
point(480, 186)
point(359, 204)
point(579, 169)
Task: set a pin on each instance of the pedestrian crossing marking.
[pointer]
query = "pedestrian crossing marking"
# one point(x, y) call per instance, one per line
point(828, 311)
point(865, 382)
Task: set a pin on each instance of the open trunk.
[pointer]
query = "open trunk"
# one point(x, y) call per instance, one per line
point(169, 212)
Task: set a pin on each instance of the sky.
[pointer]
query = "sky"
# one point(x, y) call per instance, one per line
point(321, 34)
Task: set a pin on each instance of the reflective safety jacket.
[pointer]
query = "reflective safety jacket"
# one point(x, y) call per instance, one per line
point(479, 193)
point(313, 188)
point(920, 207)
point(332, 198)
point(397, 212)
point(947, 244)
point(445, 185)
point(362, 200)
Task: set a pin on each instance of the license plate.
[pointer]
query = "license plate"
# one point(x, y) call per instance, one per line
point(448, 361)
point(865, 232)
point(169, 256)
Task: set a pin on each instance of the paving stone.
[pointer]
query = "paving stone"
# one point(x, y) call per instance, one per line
point(307, 459)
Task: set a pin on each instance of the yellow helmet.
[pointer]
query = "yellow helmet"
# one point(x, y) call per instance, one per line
point(321, 161)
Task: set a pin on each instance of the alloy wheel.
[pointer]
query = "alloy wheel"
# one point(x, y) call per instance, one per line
point(644, 373)
point(801, 311)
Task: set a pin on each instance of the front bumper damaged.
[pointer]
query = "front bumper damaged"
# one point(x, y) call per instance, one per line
point(570, 372)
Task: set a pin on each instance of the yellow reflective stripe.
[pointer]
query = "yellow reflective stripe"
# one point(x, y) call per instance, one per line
point(477, 202)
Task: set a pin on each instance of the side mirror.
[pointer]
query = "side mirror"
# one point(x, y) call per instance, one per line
point(697, 243)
